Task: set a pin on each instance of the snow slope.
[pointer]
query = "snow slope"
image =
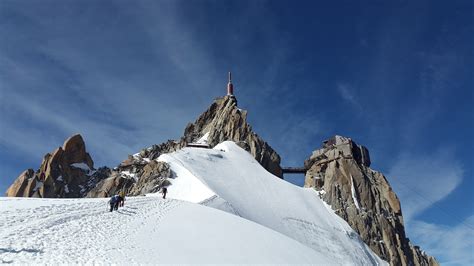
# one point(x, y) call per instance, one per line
point(148, 230)
point(255, 218)
point(240, 185)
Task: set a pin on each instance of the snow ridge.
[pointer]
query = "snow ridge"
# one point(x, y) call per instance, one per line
point(238, 181)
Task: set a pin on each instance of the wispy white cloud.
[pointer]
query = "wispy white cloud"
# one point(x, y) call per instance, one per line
point(83, 87)
point(295, 138)
point(452, 245)
point(421, 180)
point(106, 140)
point(347, 93)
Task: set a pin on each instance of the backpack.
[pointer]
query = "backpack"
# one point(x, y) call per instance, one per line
point(114, 199)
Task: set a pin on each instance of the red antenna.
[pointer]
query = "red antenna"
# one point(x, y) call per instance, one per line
point(230, 87)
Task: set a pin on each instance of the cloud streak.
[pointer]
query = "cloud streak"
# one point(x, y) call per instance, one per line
point(454, 245)
point(347, 93)
point(421, 180)
point(69, 87)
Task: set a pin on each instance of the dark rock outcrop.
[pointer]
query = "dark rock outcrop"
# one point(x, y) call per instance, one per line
point(363, 197)
point(110, 186)
point(67, 172)
point(156, 150)
point(153, 177)
point(134, 177)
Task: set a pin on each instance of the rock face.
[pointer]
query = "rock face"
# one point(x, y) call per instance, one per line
point(363, 197)
point(110, 186)
point(21, 187)
point(153, 177)
point(222, 121)
point(135, 176)
point(67, 172)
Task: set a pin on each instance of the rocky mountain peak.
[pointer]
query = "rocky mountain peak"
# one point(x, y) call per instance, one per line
point(222, 110)
point(222, 121)
point(75, 151)
point(340, 171)
point(338, 146)
point(68, 172)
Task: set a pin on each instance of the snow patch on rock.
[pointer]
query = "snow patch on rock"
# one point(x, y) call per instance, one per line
point(84, 167)
point(354, 196)
point(203, 139)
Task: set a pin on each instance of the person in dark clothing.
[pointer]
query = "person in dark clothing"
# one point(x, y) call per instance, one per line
point(164, 190)
point(112, 203)
point(122, 196)
point(115, 202)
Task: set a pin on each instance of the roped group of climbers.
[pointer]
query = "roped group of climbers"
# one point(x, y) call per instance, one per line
point(118, 200)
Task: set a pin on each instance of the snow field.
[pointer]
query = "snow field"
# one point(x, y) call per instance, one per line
point(68, 231)
point(148, 230)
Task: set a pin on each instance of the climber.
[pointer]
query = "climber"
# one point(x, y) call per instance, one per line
point(115, 202)
point(164, 190)
point(122, 196)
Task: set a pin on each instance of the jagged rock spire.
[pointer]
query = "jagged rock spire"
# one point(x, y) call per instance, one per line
point(67, 172)
point(364, 198)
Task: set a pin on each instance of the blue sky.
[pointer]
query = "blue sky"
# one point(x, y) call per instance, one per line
point(396, 76)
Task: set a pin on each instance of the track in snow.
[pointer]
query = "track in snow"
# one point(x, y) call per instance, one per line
point(77, 231)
